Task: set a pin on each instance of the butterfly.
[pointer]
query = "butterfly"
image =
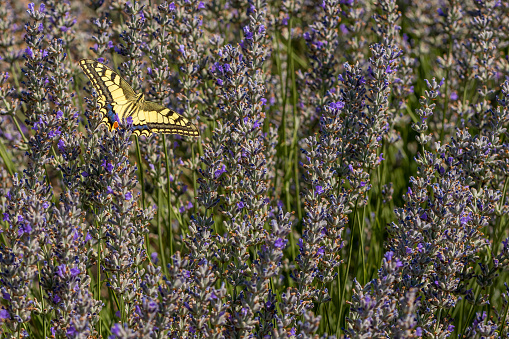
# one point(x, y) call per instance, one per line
point(119, 101)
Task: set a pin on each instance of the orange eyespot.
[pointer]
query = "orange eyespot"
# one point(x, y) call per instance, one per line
point(115, 125)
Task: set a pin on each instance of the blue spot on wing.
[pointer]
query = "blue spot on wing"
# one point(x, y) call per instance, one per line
point(140, 127)
point(112, 117)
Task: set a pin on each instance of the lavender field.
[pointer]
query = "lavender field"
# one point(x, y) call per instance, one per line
point(350, 179)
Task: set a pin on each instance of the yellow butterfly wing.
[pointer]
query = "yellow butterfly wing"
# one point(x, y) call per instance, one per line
point(159, 119)
point(117, 98)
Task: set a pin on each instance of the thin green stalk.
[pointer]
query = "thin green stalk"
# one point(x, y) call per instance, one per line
point(438, 320)
point(503, 319)
point(350, 250)
point(446, 104)
point(338, 321)
point(142, 182)
point(168, 194)
point(99, 254)
point(142, 179)
point(496, 240)
point(326, 307)
point(42, 301)
point(7, 160)
point(293, 149)
point(18, 127)
point(471, 311)
point(195, 183)
point(159, 229)
point(361, 249)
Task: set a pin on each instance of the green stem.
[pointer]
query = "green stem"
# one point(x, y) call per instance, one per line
point(142, 182)
point(168, 196)
point(446, 104)
point(142, 179)
point(159, 228)
point(350, 250)
point(195, 187)
point(503, 320)
point(361, 236)
point(42, 301)
point(99, 254)
point(496, 240)
point(471, 311)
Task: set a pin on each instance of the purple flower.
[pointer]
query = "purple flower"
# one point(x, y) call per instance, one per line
point(465, 219)
point(61, 270)
point(6, 217)
point(29, 53)
point(154, 258)
point(220, 171)
point(75, 271)
point(152, 307)
point(56, 299)
point(61, 145)
point(71, 331)
point(337, 105)
point(247, 33)
point(319, 190)
point(280, 243)
point(116, 330)
point(128, 196)
point(4, 314)
point(388, 255)
point(6, 296)
point(201, 5)
point(240, 205)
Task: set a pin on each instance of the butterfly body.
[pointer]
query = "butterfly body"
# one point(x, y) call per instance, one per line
point(118, 100)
